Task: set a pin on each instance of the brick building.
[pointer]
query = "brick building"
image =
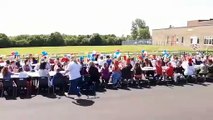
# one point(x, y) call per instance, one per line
point(197, 32)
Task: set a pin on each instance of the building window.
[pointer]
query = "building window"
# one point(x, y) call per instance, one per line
point(191, 40)
point(205, 41)
point(182, 40)
point(198, 40)
point(210, 42)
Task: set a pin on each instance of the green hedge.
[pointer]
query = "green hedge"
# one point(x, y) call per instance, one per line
point(58, 39)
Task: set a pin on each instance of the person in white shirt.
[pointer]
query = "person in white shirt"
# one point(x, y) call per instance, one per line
point(73, 71)
point(22, 74)
point(101, 61)
point(189, 69)
point(43, 69)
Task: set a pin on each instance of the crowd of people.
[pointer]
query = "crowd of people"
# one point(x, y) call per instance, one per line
point(107, 70)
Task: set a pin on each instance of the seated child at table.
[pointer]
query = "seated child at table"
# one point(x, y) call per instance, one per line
point(138, 72)
point(13, 67)
point(178, 71)
point(210, 69)
point(170, 71)
point(147, 63)
point(27, 67)
point(159, 70)
point(22, 74)
point(105, 74)
point(57, 78)
point(126, 71)
point(189, 69)
point(94, 74)
point(116, 74)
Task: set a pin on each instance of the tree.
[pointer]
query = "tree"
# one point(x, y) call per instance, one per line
point(20, 41)
point(4, 40)
point(95, 39)
point(38, 40)
point(143, 33)
point(56, 39)
point(139, 30)
point(134, 30)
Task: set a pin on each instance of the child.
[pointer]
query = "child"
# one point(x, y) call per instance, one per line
point(138, 72)
point(159, 70)
point(116, 74)
point(178, 71)
point(105, 74)
point(170, 71)
point(94, 75)
point(57, 79)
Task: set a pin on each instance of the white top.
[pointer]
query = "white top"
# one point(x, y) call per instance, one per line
point(23, 75)
point(74, 70)
point(43, 73)
point(153, 63)
point(101, 62)
point(189, 70)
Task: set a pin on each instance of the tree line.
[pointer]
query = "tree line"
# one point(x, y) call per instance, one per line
point(139, 31)
point(58, 39)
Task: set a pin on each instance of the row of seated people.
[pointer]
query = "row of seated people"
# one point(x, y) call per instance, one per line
point(105, 75)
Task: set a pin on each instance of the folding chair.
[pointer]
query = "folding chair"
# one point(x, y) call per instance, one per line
point(9, 84)
point(1, 87)
point(59, 83)
point(43, 82)
point(22, 84)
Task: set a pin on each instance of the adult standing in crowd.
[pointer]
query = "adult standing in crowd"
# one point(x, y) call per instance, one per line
point(73, 70)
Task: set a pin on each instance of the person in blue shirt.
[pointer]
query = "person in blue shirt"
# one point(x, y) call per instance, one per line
point(109, 60)
point(6, 74)
point(57, 79)
point(6, 77)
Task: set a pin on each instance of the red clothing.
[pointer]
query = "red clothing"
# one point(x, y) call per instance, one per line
point(159, 70)
point(65, 60)
point(170, 71)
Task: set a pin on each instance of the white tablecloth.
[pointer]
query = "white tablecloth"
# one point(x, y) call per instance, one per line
point(148, 68)
point(31, 74)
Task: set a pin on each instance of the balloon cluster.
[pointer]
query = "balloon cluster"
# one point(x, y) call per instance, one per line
point(117, 54)
point(44, 53)
point(15, 53)
point(92, 56)
point(166, 54)
point(144, 53)
point(81, 58)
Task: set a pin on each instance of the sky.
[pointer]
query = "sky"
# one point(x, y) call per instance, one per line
point(76, 17)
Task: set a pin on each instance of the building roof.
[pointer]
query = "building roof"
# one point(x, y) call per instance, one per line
point(192, 24)
point(181, 27)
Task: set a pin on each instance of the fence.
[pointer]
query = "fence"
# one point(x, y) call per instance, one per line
point(137, 42)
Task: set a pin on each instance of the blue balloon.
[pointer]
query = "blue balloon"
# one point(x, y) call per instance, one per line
point(81, 58)
point(143, 51)
point(16, 53)
point(164, 51)
point(44, 53)
point(117, 53)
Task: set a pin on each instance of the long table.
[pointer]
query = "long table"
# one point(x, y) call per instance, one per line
point(31, 74)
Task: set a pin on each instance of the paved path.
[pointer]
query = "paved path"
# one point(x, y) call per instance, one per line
point(158, 103)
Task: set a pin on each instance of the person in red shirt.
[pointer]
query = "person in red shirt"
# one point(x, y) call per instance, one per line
point(65, 59)
point(159, 71)
point(170, 71)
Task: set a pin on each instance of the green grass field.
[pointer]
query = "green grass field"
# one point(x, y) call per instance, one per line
point(86, 49)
